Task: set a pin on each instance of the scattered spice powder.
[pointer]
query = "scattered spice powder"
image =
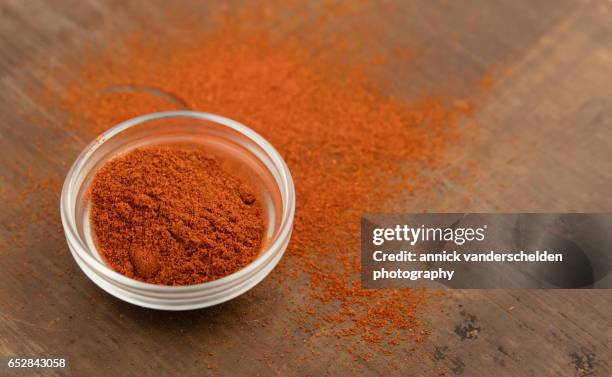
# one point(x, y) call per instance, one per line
point(174, 216)
point(350, 146)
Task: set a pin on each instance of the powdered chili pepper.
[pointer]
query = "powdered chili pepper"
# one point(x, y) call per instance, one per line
point(350, 147)
point(173, 216)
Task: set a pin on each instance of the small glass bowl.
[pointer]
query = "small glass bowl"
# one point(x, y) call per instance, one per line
point(243, 151)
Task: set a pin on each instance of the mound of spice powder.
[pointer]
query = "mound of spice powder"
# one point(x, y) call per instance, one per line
point(351, 146)
point(174, 216)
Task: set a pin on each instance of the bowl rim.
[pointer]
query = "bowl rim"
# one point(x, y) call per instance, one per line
point(287, 191)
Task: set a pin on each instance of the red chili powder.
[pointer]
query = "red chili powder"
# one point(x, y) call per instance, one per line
point(174, 216)
point(351, 147)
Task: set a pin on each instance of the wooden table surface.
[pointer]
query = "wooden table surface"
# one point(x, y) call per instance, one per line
point(545, 145)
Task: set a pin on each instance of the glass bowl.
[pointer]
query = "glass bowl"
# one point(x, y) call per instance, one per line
point(242, 150)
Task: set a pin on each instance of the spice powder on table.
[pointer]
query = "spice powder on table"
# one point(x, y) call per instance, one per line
point(351, 147)
point(173, 216)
